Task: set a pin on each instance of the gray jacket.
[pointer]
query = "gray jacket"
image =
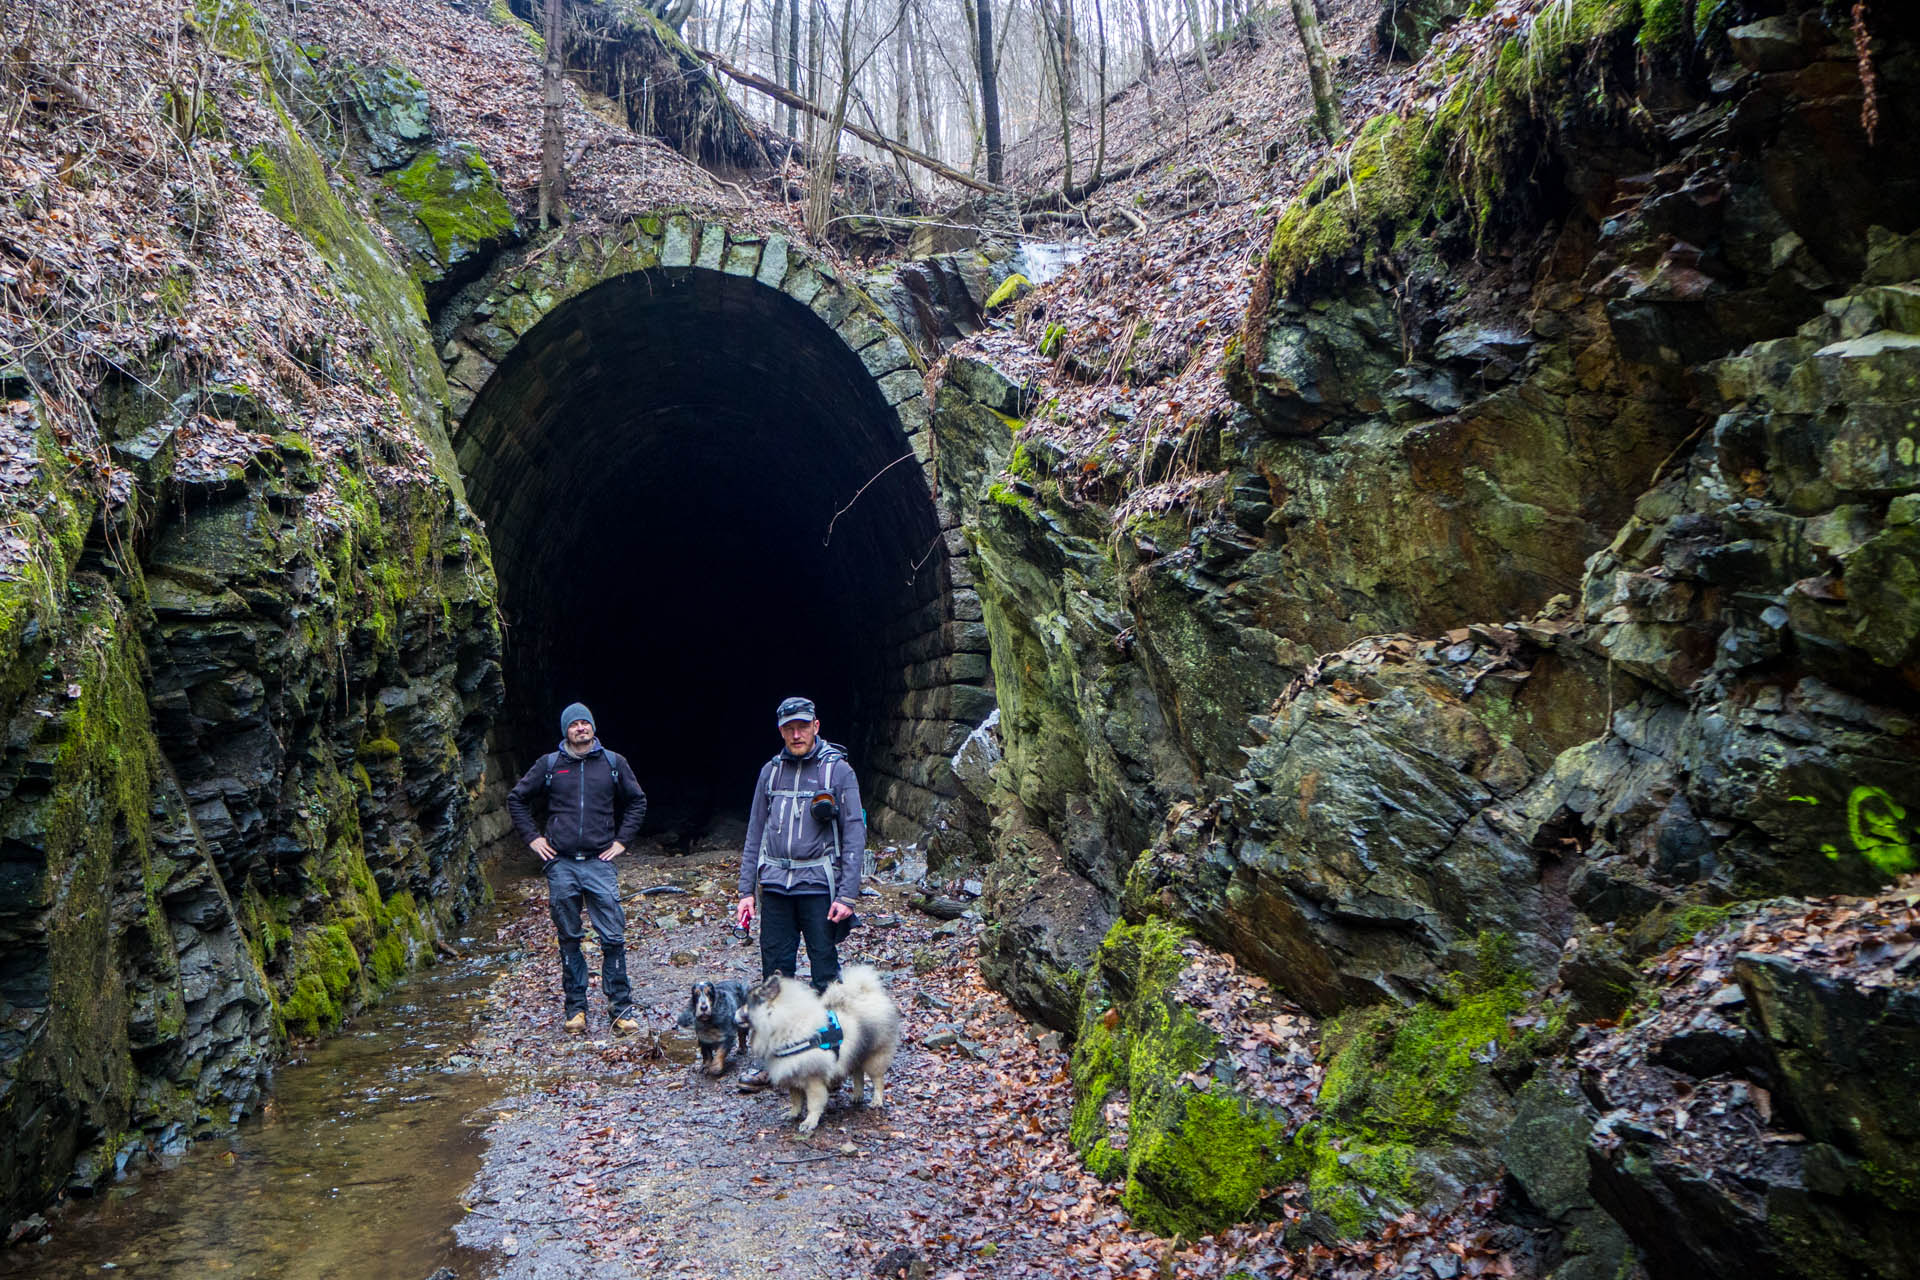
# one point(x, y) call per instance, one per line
point(782, 829)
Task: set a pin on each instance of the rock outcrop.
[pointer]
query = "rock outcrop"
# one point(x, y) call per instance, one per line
point(1551, 587)
point(248, 654)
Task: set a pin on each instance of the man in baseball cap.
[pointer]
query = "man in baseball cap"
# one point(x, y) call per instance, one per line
point(805, 851)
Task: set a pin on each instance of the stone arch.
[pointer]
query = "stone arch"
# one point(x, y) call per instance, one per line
point(657, 422)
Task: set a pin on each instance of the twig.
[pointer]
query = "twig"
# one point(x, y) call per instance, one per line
point(828, 540)
point(825, 1155)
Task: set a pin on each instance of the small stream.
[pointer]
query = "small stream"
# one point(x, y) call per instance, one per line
point(354, 1168)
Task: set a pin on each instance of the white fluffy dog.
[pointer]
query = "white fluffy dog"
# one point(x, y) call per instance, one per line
point(807, 1052)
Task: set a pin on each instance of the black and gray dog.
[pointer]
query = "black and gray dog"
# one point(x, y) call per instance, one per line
point(710, 1012)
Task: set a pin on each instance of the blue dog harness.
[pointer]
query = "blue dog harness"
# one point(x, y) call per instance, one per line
point(827, 1037)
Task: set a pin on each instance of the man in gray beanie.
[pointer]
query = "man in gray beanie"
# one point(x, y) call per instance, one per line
point(594, 808)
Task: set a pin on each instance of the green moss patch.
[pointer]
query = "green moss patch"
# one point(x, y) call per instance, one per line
point(1395, 1082)
point(1405, 177)
point(453, 195)
point(1193, 1158)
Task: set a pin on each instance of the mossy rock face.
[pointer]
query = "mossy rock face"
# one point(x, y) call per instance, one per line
point(390, 105)
point(447, 207)
point(1408, 1109)
point(1193, 1159)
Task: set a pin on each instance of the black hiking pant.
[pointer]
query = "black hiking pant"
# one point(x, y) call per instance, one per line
point(785, 918)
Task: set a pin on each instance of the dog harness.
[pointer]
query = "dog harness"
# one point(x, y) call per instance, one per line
point(828, 758)
point(827, 1037)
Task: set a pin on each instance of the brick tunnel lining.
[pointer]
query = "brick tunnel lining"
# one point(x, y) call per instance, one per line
point(658, 462)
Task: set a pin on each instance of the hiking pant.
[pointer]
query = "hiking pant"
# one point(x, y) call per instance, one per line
point(570, 885)
point(787, 917)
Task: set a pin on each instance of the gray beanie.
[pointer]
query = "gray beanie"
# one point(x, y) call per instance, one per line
point(575, 711)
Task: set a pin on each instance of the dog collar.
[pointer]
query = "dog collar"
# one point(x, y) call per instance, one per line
point(827, 1037)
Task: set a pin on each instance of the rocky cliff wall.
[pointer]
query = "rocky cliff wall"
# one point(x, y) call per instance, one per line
point(1548, 594)
point(248, 648)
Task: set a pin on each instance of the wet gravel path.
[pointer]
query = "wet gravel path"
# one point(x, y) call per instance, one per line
point(617, 1157)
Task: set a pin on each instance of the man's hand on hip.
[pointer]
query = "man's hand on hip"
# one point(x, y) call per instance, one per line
point(743, 914)
point(612, 851)
point(546, 851)
point(838, 911)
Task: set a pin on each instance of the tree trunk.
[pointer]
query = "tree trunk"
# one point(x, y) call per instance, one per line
point(902, 89)
point(1326, 106)
point(923, 89)
point(776, 33)
point(553, 119)
point(793, 65)
point(1198, 29)
point(814, 55)
point(1100, 150)
point(989, 94)
point(827, 154)
point(1148, 58)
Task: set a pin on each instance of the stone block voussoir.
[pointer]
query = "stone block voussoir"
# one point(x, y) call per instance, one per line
point(743, 258)
point(901, 385)
point(676, 246)
point(886, 356)
point(913, 417)
point(860, 331)
point(713, 247)
point(831, 304)
point(773, 262)
point(802, 284)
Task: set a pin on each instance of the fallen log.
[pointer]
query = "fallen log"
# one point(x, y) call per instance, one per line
point(760, 84)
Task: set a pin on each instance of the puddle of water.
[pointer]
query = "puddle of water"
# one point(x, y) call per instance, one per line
point(354, 1168)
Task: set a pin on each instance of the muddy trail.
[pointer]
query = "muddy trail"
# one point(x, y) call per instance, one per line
point(621, 1158)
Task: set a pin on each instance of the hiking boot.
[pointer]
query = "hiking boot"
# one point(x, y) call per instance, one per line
point(753, 1079)
point(576, 1023)
point(624, 1023)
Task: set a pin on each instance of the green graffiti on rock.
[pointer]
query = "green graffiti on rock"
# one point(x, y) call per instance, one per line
point(1875, 822)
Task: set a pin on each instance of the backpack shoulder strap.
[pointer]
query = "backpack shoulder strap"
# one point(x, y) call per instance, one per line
point(553, 759)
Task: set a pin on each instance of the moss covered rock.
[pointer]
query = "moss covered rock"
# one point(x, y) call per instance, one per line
point(1194, 1155)
point(447, 208)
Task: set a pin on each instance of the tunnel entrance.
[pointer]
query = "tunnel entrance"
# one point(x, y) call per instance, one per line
point(659, 462)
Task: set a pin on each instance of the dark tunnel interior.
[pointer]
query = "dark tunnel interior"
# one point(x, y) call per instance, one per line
point(658, 463)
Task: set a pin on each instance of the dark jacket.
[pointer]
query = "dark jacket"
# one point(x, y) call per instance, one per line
point(784, 825)
point(585, 811)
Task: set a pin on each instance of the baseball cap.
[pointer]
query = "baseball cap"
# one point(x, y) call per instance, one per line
point(794, 709)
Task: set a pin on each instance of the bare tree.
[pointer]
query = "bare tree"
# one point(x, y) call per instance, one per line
point(553, 118)
point(776, 31)
point(1055, 21)
point(923, 83)
point(815, 57)
point(1326, 107)
point(827, 154)
point(1100, 151)
point(1148, 58)
point(989, 94)
point(902, 89)
point(1198, 29)
point(793, 65)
